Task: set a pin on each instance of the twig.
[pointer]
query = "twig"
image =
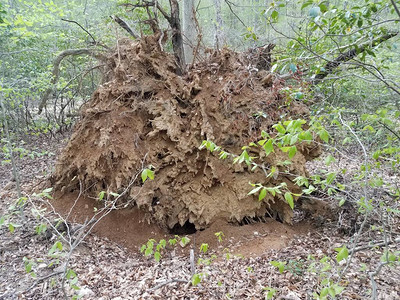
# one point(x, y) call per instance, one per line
point(37, 281)
point(391, 130)
point(233, 12)
point(167, 282)
point(383, 243)
point(71, 21)
point(10, 148)
point(192, 266)
point(365, 192)
point(56, 70)
point(395, 7)
point(371, 276)
point(125, 26)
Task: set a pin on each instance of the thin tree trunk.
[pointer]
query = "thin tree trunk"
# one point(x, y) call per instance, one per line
point(189, 29)
point(177, 41)
point(219, 34)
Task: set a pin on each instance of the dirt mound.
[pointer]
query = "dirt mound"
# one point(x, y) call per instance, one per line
point(146, 114)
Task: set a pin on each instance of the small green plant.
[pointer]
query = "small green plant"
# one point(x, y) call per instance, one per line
point(29, 265)
point(204, 248)
point(220, 236)
point(197, 278)
point(279, 264)
point(147, 173)
point(269, 293)
point(152, 247)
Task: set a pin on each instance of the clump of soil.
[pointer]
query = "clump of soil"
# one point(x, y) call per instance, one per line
point(145, 114)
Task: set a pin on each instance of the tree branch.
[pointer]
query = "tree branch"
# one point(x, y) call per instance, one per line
point(350, 54)
point(71, 21)
point(56, 70)
point(395, 7)
point(125, 26)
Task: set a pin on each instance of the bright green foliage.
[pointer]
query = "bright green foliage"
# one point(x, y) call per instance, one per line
point(279, 264)
point(155, 249)
point(269, 293)
point(342, 253)
point(204, 248)
point(147, 173)
point(197, 278)
point(220, 236)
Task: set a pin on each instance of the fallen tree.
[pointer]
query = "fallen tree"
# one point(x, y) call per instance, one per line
point(145, 114)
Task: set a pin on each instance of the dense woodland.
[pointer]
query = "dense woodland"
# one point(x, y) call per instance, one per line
point(258, 140)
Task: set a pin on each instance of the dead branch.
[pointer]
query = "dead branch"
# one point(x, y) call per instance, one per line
point(56, 70)
point(383, 243)
point(233, 12)
point(71, 21)
point(125, 26)
point(350, 54)
point(167, 282)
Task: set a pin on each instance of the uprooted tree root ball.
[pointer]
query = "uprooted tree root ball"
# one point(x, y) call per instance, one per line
point(145, 114)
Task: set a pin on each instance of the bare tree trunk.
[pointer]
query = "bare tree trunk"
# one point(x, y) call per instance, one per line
point(219, 34)
point(177, 41)
point(189, 29)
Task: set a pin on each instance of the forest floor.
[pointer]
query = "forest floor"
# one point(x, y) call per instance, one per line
point(109, 265)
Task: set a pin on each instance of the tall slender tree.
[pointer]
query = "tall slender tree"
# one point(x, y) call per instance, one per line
point(189, 29)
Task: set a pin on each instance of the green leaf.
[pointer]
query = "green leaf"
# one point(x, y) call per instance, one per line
point(314, 12)
point(150, 174)
point(204, 248)
point(324, 135)
point(147, 173)
point(289, 199)
point(294, 139)
point(292, 152)
point(307, 3)
point(262, 194)
point(346, 140)
point(343, 253)
point(376, 154)
point(329, 159)
point(279, 127)
point(293, 68)
point(324, 292)
point(253, 191)
point(48, 190)
point(157, 256)
point(275, 15)
point(70, 274)
point(148, 252)
point(196, 279)
point(280, 265)
point(269, 147)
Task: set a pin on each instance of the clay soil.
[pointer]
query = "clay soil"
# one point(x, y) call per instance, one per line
point(130, 228)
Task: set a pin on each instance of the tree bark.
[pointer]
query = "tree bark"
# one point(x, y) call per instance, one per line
point(189, 29)
point(125, 26)
point(219, 34)
point(177, 41)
